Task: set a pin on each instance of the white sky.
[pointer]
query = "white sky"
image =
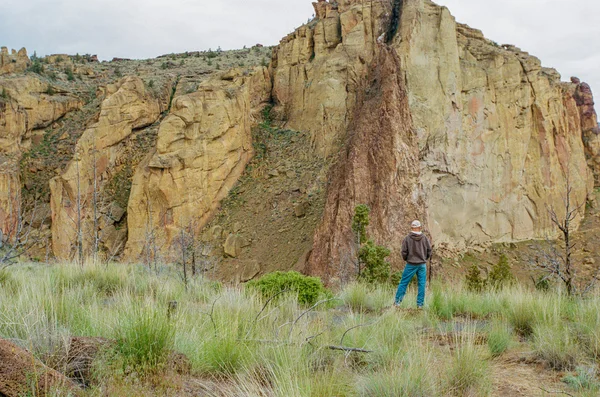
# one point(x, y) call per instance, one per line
point(564, 34)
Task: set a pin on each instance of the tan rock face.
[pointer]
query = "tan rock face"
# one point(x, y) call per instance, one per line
point(203, 147)
point(127, 106)
point(498, 134)
point(497, 137)
point(13, 62)
point(319, 67)
point(24, 108)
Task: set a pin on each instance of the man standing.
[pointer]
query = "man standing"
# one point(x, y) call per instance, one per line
point(416, 251)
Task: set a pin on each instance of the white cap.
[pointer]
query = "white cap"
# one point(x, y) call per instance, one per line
point(415, 224)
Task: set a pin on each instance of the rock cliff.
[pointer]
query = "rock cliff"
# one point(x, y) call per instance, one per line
point(405, 109)
point(498, 136)
point(203, 147)
point(319, 67)
point(27, 105)
point(498, 133)
point(81, 212)
point(379, 167)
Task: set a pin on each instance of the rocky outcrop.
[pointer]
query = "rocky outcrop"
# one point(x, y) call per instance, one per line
point(25, 106)
point(589, 125)
point(318, 68)
point(498, 134)
point(380, 168)
point(77, 198)
point(21, 374)
point(202, 149)
point(13, 62)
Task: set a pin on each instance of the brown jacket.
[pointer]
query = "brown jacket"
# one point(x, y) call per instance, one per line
point(416, 249)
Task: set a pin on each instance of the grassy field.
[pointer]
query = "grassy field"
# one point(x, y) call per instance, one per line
point(515, 341)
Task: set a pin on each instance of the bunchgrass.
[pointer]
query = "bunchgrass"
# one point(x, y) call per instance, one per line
point(556, 344)
point(144, 337)
point(499, 337)
point(364, 297)
point(468, 372)
point(355, 345)
point(584, 380)
point(410, 376)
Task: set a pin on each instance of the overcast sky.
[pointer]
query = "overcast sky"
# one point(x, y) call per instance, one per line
point(564, 34)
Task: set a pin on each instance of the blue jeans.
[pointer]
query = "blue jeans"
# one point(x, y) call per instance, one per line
point(407, 275)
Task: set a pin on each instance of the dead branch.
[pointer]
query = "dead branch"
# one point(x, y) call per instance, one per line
point(263, 309)
point(351, 328)
point(210, 315)
point(349, 349)
point(556, 392)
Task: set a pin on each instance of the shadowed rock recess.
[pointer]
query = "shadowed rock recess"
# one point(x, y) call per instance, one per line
point(404, 110)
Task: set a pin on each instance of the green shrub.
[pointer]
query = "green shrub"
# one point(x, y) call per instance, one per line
point(50, 90)
point(395, 278)
point(309, 289)
point(376, 268)
point(542, 283)
point(587, 324)
point(4, 94)
point(500, 276)
point(70, 75)
point(360, 221)
point(474, 281)
point(408, 382)
point(37, 67)
point(144, 337)
point(440, 305)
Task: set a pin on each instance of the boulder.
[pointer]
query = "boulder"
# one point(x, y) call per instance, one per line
point(233, 245)
point(300, 209)
point(243, 270)
point(17, 366)
point(116, 212)
point(113, 239)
